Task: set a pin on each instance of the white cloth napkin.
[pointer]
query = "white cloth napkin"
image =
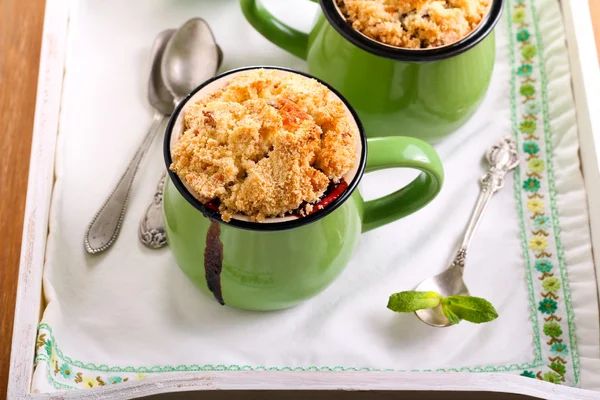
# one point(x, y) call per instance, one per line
point(130, 312)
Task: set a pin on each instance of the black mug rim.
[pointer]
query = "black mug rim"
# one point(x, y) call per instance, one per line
point(262, 226)
point(340, 24)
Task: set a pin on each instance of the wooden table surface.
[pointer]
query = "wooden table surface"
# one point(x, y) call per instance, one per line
point(20, 38)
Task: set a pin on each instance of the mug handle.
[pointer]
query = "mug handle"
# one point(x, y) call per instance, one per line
point(281, 34)
point(402, 152)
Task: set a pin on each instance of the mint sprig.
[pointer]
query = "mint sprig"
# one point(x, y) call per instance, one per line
point(455, 308)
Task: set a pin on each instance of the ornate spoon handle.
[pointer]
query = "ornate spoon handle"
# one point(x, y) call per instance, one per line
point(152, 230)
point(502, 157)
point(106, 225)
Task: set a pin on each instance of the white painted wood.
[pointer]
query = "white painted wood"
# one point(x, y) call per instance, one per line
point(39, 191)
point(586, 83)
point(331, 381)
point(585, 73)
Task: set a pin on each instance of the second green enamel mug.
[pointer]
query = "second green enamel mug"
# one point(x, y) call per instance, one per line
point(428, 92)
point(280, 262)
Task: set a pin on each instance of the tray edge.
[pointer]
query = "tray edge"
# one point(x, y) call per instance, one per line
point(586, 86)
point(39, 190)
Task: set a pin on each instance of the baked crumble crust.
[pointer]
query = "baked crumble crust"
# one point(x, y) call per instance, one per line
point(414, 24)
point(264, 144)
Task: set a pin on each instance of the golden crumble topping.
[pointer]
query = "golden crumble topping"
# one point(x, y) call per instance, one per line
point(265, 144)
point(415, 24)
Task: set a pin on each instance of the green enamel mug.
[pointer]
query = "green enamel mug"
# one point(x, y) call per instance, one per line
point(428, 92)
point(281, 262)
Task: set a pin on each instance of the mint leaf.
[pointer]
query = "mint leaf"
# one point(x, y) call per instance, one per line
point(469, 308)
point(412, 301)
point(453, 318)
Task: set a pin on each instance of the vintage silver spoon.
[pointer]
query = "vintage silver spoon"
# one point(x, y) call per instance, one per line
point(106, 224)
point(502, 157)
point(191, 57)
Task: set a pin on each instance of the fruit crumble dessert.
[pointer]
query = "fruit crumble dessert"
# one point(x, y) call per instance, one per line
point(414, 24)
point(268, 144)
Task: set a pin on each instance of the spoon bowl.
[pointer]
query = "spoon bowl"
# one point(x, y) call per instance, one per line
point(448, 283)
point(159, 95)
point(191, 57)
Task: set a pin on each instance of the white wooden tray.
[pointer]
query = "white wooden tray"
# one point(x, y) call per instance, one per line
point(586, 84)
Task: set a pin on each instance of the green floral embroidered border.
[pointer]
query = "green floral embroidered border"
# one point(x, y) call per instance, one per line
point(555, 349)
point(66, 373)
point(532, 129)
